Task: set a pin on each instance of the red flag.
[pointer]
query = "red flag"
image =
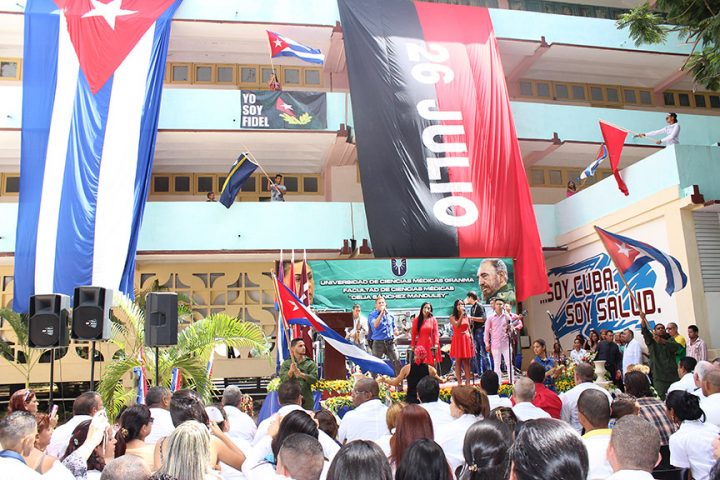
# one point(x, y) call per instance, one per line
point(615, 141)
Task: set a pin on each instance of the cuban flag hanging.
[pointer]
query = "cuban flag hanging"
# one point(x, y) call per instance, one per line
point(282, 46)
point(92, 83)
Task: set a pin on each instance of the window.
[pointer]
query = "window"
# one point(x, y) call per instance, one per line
point(526, 89)
point(700, 101)
point(161, 184)
point(181, 184)
point(537, 176)
point(579, 92)
point(555, 177)
point(630, 96)
point(248, 75)
point(714, 101)
point(226, 74)
point(10, 184)
point(204, 73)
point(205, 183)
point(292, 183)
point(10, 68)
point(313, 77)
point(645, 97)
point(683, 99)
point(596, 94)
point(310, 184)
point(291, 76)
point(180, 73)
point(561, 92)
point(250, 185)
point(266, 74)
point(669, 98)
point(543, 89)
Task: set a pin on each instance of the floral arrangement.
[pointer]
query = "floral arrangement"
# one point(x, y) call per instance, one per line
point(505, 390)
point(334, 404)
point(246, 405)
point(333, 387)
point(566, 377)
point(445, 394)
point(589, 357)
point(273, 385)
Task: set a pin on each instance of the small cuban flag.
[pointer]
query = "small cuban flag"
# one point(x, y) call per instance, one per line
point(282, 46)
point(592, 168)
point(631, 255)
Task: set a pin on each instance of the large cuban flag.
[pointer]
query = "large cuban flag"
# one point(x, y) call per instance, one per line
point(92, 82)
point(631, 255)
point(296, 312)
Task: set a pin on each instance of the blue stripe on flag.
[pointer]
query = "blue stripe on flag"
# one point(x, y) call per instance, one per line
point(76, 228)
point(40, 38)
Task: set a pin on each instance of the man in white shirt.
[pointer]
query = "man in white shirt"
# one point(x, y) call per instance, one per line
point(524, 393)
point(634, 449)
point(490, 383)
point(584, 374)
point(367, 420)
point(84, 407)
point(17, 436)
point(701, 369)
point(632, 355)
point(126, 467)
point(711, 403)
point(290, 398)
point(428, 392)
point(300, 457)
point(158, 400)
point(241, 425)
point(671, 132)
point(686, 369)
point(594, 415)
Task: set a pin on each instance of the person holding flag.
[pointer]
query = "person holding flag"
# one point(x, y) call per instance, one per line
point(671, 132)
point(301, 369)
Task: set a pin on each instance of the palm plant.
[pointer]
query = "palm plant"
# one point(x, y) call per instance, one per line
point(8, 349)
point(194, 348)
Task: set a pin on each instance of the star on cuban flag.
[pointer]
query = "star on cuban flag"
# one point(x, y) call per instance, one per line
point(294, 312)
point(92, 83)
point(631, 255)
point(282, 46)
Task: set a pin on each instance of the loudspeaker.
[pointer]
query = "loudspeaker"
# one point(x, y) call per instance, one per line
point(49, 321)
point(161, 319)
point(91, 313)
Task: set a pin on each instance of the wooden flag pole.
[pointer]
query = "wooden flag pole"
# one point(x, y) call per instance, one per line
point(282, 312)
point(620, 128)
point(255, 161)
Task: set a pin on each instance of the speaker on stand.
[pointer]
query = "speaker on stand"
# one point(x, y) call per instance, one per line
point(48, 322)
point(161, 323)
point(91, 319)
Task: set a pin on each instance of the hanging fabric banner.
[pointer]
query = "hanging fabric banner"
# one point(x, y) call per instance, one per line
point(283, 110)
point(442, 174)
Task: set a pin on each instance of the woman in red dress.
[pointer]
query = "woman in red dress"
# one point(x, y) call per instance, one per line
point(425, 332)
point(461, 347)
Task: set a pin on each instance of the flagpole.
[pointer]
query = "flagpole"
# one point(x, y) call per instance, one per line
point(282, 312)
point(255, 161)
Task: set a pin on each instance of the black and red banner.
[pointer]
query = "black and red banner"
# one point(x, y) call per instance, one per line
point(442, 174)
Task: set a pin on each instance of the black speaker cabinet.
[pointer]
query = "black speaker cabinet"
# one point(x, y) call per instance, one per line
point(49, 320)
point(161, 319)
point(91, 313)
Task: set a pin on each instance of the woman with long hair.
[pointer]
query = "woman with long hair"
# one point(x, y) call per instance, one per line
point(691, 444)
point(413, 372)
point(425, 333)
point(468, 404)
point(424, 460)
point(591, 343)
point(413, 423)
point(461, 347)
point(486, 451)
point(188, 454)
point(135, 425)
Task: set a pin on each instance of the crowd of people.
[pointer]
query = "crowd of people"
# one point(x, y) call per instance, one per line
point(584, 433)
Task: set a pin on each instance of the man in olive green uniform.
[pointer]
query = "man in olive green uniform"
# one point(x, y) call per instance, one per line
point(662, 349)
point(493, 281)
point(303, 370)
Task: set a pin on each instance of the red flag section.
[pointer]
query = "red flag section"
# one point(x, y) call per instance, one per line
point(505, 225)
point(277, 44)
point(615, 141)
point(622, 254)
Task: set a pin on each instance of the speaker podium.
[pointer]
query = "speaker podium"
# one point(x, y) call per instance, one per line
point(334, 366)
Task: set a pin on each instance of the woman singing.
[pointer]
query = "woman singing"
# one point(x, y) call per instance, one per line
point(461, 347)
point(425, 333)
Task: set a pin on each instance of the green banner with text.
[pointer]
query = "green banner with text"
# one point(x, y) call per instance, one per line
point(407, 283)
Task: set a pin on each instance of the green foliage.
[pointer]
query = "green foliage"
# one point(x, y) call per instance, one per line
point(18, 323)
point(696, 21)
point(196, 344)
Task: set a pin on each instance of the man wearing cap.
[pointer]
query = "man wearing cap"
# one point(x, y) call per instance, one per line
point(671, 132)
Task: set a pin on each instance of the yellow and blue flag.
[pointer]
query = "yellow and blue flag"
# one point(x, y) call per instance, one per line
point(237, 176)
